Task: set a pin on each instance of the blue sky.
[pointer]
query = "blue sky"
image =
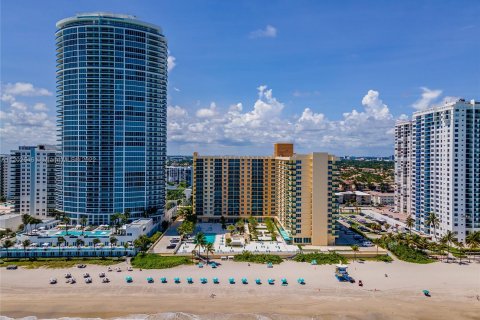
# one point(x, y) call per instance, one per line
point(328, 75)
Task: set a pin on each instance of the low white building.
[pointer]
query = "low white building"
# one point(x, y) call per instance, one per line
point(9, 219)
point(384, 199)
point(126, 234)
point(357, 197)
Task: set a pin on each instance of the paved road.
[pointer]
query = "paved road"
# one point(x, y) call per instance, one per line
point(161, 246)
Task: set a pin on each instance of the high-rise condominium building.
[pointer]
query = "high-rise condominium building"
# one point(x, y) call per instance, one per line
point(4, 164)
point(32, 180)
point(177, 174)
point(443, 168)
point(296, 190)
point(403, 166)
point(112, 92)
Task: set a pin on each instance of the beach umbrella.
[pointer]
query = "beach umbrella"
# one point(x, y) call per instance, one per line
point(203, 280)
point(271, 281)
point(163, 280)
point(128, 279)
point(231, 280)
point(244, 281)
point(284, 282)
point(258, 281)
point(150, 280)
point(177, 280)
point(301, 281)
point(215, 280)
point(189, 280)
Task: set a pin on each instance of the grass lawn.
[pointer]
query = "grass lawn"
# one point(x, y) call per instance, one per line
point(322, 258)
point(155, 261)
point(257, 258)
point(59, 262)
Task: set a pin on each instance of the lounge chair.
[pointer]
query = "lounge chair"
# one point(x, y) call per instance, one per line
point(86, 275)
point(258, 281)
point(105, 280)
point(244, 281)
point(177, 280)
point(101, 274)
point(215, 281)
point(203, 280)
point(163, 280)
point(88, 280)
point(128, 279)
point(189, 280)
point(150, 280)
point(301, 281)
point(271, 281)
point(284, 282)
point(53, 280)
point(231, 280)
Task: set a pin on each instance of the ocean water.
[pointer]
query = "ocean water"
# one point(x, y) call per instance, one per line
point(217, 316)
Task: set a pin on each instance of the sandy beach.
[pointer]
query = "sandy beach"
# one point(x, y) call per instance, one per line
point(454, 288)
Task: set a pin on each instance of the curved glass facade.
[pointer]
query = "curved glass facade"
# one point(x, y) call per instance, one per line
point(111, 103)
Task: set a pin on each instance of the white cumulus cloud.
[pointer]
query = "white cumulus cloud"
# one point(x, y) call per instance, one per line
point(268, 32)
point(23, 89)
point(171, 63)
point(427, 99)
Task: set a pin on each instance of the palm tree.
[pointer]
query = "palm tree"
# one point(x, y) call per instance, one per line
point(410, 222)
point(26, 220)
point(200, 241)
point(8, 244)
point(25, 244)
point(83, 222)
point(126, 246)
point(240, 225)
point(142, 243)
point(113, 241)
point(67, 221)
point(209, 248)
point(473, 240)
point(461, 248)
point(448, 239)
point(355, 250)
point(231, 228)
point(79, 243)
point(126, 216)
point(60, 240)
point(95, 242)
point(434, 222)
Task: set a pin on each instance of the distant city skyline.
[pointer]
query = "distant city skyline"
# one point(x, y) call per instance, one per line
point(325, 76)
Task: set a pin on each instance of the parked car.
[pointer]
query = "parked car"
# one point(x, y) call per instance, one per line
point(367, 244)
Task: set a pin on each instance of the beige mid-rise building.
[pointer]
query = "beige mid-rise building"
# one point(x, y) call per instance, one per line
point(295, 189)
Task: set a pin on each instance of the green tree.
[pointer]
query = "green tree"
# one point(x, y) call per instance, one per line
point(209, 248)
point(223, 222)
point(142, 243)
point(434, 222)
point(473, 240)
point(448, 239)
point(355, 249)
point(126, 246)
point(410, 222)
point(25, 244)
point(8, 244)
point(200, 240)
point(83, 222)
point(60, 240)
point(67, 221)
point(240, 225)
point(187, 227)
point(231, 228)
point(78, 244)
point(95, 242)
point(113, 241)
point(26, 219)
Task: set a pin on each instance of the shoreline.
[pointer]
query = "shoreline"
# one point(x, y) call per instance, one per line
point(454, 288)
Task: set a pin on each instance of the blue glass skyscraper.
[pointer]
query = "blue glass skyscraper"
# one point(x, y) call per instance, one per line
point(111, 102)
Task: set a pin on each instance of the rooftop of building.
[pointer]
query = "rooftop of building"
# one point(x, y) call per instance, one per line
point(108, 16)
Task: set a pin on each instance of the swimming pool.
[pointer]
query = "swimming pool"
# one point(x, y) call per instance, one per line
point(210, 237)
point(96, 233)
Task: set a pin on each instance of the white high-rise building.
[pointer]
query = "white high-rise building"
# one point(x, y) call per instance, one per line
point(33, 180)
point(444, 168)
point(403, 166)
